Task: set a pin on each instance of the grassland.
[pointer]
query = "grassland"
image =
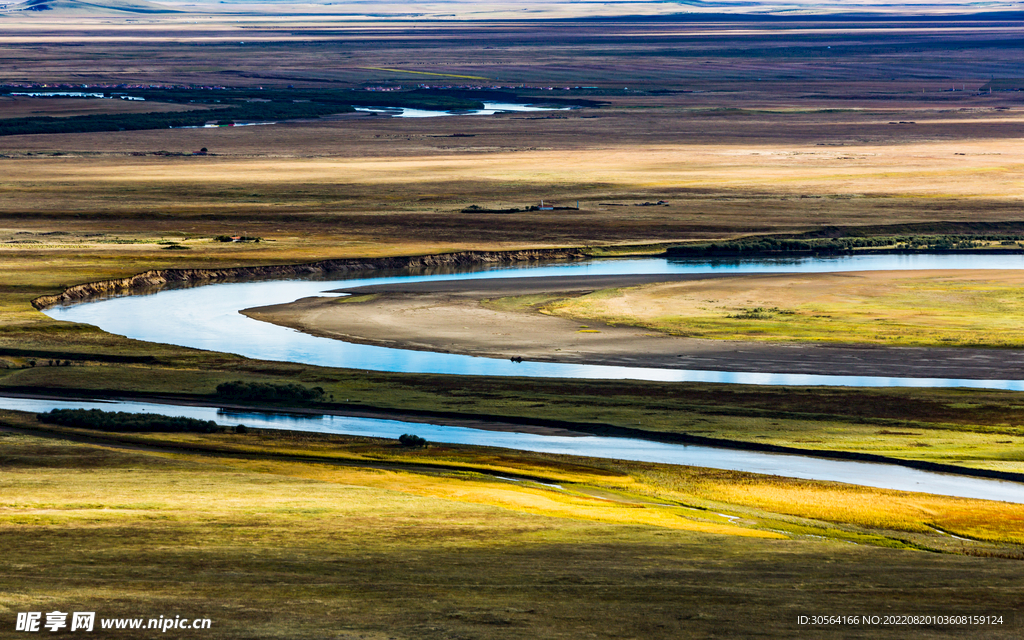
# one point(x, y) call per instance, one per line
point(271, 535)
point(415, 199)
point(27, 107)
point(739, 137)
point(924, 308)
point(742, 129)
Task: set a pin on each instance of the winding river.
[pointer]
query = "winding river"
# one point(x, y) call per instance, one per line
point(208, 317)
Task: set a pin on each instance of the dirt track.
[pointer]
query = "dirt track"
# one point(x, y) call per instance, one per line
point(447, 316)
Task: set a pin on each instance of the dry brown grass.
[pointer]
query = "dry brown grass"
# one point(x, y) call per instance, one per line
point(411, 201)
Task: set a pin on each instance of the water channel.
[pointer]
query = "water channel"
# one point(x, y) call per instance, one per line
point(490, 108)
point(208, 317)
point(883, 476)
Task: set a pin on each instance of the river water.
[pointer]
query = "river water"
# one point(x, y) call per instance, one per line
point(490, 108)
point(883, 476)
point(208, 317)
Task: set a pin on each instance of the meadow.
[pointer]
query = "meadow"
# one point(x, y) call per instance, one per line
point(743, 127)
point(921, 308)
point(299, 536)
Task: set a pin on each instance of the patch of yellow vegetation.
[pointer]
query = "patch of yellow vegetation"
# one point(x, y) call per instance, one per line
point(760, 501)
point(525, 499)
point(871, 508)
point(356, 299)
point(328, 485)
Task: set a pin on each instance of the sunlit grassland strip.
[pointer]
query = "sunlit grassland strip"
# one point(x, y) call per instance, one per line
point(925, 169)
point(924, 309)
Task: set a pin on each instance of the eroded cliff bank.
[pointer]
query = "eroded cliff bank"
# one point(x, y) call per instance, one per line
point(157, 278)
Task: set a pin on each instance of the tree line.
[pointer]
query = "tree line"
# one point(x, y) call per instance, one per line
point(267, 392)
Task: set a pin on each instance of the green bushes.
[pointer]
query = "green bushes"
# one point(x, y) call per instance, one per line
point(410, 440)
point(122, 422)
point(266, 392)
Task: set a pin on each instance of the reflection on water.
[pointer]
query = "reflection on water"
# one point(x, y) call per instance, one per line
point(207, 318)
point(869, 474)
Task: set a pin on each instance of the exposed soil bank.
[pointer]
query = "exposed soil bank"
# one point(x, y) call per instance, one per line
point(448, 317)
point(158, 278)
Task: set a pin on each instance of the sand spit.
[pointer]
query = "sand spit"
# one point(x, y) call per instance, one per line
point(448, 317)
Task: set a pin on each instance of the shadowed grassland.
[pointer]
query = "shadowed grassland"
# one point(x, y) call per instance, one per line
point(924, 309)
point(363, 549)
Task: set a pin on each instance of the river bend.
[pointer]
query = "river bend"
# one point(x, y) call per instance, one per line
point(207, 317)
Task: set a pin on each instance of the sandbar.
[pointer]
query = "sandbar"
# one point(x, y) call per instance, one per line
point(448, 317)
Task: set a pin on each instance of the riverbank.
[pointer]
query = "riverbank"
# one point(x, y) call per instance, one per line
point(154, 280)
point(497, 318)
point(973, 428)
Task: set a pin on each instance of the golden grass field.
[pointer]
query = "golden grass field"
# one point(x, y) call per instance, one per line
point(315, 207)
point(919, 308)
point(960, 169)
